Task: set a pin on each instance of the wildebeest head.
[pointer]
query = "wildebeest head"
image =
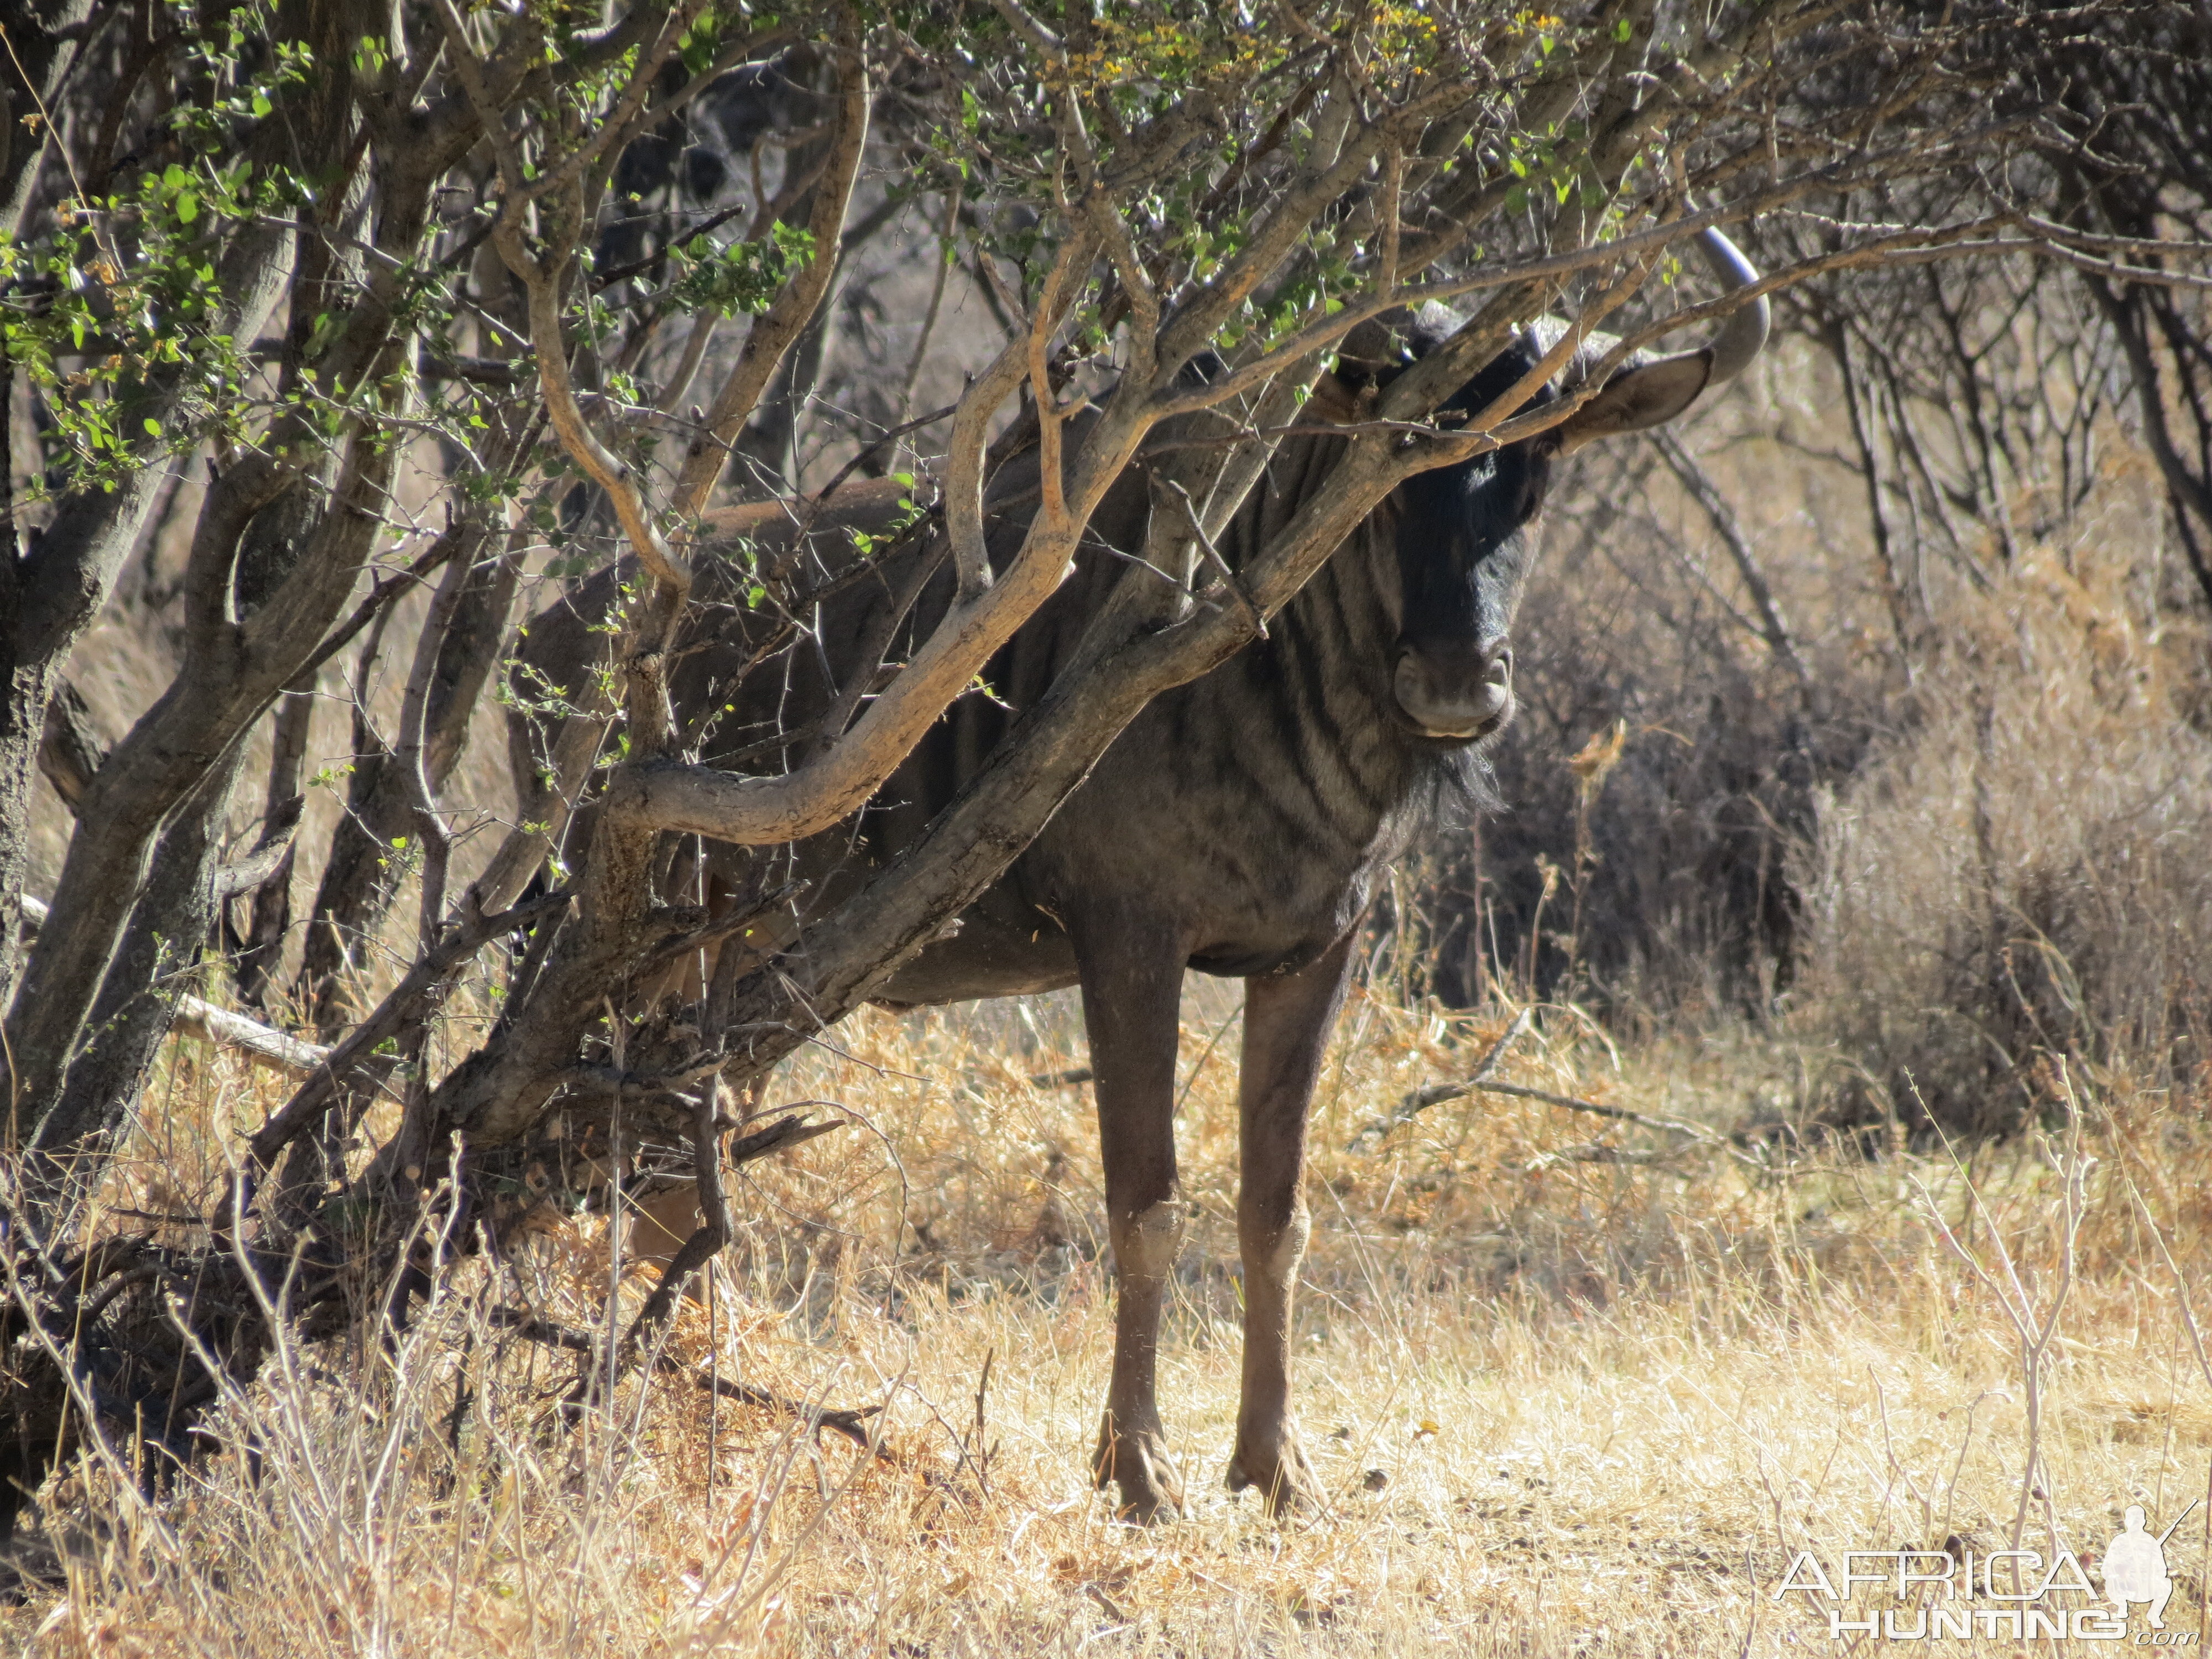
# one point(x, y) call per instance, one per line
point(1465, 534)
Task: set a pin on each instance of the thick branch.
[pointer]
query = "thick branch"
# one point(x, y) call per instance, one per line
point(70, 751)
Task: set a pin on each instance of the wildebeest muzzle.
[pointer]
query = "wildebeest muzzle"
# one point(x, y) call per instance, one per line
point(1454, 689)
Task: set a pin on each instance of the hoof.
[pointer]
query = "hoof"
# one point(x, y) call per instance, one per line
point(1135, 1463)
point(1285, 1480)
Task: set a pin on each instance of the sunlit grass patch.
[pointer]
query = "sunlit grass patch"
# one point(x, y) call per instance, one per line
point(1560, 1404)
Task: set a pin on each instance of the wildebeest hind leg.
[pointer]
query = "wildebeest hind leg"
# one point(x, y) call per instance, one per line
point(1132, 974)
point(1287, 1020)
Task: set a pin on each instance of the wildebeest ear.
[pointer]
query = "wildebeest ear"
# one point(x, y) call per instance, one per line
point(1648, 395)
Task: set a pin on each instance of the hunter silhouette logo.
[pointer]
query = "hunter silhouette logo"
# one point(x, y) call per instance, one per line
point(2135, 1567)
point(1957, 1592)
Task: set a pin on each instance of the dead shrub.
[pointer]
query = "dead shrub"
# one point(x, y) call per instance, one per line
point(2025, 871)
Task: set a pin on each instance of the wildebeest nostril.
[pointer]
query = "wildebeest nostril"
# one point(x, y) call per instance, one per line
point(1455, 688)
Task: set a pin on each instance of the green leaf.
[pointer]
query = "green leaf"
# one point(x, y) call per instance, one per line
point(188, 207)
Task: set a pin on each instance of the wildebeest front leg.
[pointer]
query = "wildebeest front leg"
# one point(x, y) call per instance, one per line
point(1287, 1021)
point(1132, 973)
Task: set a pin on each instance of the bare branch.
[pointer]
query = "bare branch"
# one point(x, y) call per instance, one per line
point(219, 1026)
point(543, 281)
point(1772, 629)
point(774, 332)
point(971, 423)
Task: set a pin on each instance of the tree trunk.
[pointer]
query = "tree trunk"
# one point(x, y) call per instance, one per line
point(50, 593)
point(175, 910)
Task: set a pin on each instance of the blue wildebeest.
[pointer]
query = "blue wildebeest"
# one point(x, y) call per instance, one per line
point(1238, 826)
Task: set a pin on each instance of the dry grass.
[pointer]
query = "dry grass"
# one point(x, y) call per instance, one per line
point(2027, 868)
point(1564, 1407)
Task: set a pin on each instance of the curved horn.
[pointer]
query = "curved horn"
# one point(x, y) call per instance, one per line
point(1738, 343)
